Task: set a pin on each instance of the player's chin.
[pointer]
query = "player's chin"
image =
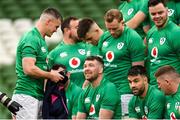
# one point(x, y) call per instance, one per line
point(135, 92)
point(87, 77)
point(159, 23)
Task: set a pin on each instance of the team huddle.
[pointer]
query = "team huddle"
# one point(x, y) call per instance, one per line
point(115, 74)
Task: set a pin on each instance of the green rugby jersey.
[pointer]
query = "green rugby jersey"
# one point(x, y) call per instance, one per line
point(149, 107)
point(163, 49)
point(129, 9)
point(73, 57)
point(72, 95)
point(31, 45)
point(119, 54)
point(173, 12)
point(173, 105)
point(104, 96)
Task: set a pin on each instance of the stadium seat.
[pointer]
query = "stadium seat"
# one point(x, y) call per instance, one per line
point(25, 3)
point(65, 2)
point(5, 58)
point(6, 25)
point(2, 14)
point(46, 3)
point(13, 11)
point(5, 3)
point(85, 3)
point(23, 25)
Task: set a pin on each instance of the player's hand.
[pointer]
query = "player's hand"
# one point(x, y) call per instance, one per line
point(55, 76)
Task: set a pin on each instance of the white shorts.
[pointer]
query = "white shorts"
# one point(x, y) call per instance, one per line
point(125, 98)
point(32, 107)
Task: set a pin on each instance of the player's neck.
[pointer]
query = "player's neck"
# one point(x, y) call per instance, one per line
point(175, 88)
point(161, 27)
point(68, 40)
point(97, 82)
point(67, 84)
point(40, 29)
point(143, 95)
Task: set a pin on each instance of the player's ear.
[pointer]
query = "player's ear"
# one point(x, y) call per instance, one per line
point(68, 74)
point(145, 79)
point(66, 29)
point(100, 70)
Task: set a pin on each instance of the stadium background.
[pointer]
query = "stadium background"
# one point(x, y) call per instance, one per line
point(18, 16)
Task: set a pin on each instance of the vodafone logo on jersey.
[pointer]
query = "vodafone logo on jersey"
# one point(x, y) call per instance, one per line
point(154, 52)
point(172, 116)
point(110, 56)
point(74, 62)
point(144, 117)
point(92, 110)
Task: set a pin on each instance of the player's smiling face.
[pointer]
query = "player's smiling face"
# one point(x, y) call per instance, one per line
point(159, 14)
point(91, 70)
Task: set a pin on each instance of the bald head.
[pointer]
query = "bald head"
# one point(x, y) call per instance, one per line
point(113, 14)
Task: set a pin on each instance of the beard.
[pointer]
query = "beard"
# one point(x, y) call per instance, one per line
point(138, 92)
point(91, 77)
point(117, 34)
point(75, 38)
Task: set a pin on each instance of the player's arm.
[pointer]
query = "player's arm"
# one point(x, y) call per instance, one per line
point(75, 103)
point(136, 20)
point(105, 114)
point(156, 109)
point(131, 108)
point(73, 117)
point(146, 28)
point(109, 109)
point(86, 82)
point(138, 63)
point(80, 115)
point(31, 69)
point(136, 49)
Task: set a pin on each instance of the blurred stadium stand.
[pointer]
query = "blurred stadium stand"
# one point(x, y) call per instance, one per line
point(19, 16)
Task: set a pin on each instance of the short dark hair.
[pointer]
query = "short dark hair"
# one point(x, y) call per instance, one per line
point(113, 14)
point(165, 70)
point(98, 58)
point(54, 12)
point(137, 70)
point(66, 22)
point(155, 2)
point(84, 26)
